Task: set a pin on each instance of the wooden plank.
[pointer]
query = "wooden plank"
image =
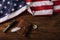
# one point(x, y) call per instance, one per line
point(49, 28)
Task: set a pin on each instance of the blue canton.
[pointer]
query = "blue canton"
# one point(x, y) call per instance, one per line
point(9, 6)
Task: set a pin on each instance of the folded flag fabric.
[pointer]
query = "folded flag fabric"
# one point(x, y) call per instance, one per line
point(12, 8)
point(56, 5)
point(40, 7)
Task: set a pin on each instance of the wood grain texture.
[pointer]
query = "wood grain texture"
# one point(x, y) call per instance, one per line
point(49, 28)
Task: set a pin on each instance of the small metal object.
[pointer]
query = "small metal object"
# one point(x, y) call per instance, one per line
point(8, 26)
point(35, 26)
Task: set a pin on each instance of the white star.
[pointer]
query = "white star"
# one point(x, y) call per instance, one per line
point(1, 11)
point(15, 4)
point(3, 0)
point(6, 14)
point(5, 7)
point(8, 2)
point(17, 0)
point(20, 6)
point(13, 9)
point(0, 5)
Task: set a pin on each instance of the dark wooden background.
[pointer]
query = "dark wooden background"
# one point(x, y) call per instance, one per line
point(49, 28)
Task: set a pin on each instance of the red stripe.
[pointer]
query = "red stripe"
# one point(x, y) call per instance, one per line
point(35, 0)
point(28, 0)
point(41, 0)
point(57, 2)
point(56, 10)
point(42, 8)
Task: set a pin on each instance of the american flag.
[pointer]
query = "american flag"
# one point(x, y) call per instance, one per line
point(12, 8)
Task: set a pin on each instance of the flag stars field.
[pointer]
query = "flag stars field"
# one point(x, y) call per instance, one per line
point(11, 8)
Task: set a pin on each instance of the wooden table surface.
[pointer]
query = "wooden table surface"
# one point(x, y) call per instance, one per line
point(49, 28)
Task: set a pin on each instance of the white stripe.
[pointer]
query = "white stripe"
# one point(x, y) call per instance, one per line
point(40, 3)
point(29, 10)
point(43, 12)
point(57, 7)
point(12, 14)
